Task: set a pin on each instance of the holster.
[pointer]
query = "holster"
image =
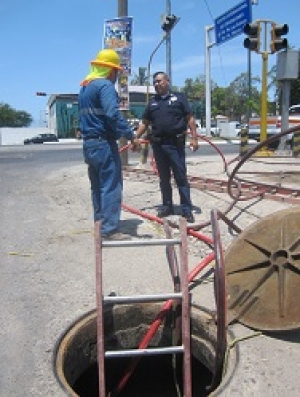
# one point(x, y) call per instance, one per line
point(178, 139)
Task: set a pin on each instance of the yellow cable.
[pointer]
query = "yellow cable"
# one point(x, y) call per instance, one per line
point(232, 344)
point(19, 254)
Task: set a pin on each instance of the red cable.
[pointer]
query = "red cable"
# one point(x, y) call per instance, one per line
point(154, 327)
point(191, 232)
point(168, 305)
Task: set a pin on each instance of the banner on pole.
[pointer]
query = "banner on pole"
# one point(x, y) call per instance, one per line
point(118, 36)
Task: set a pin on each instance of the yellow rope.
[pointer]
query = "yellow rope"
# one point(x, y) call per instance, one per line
point(19, 254)
point(232, 344)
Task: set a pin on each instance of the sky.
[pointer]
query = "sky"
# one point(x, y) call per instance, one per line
point(47, 46)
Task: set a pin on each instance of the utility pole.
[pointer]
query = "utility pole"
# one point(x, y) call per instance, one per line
point(122, 8)
point(123, 12)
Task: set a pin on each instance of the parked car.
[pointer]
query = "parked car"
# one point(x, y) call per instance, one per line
point(41, 138)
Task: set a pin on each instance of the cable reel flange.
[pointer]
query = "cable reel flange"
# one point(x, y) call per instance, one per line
point(262, 269)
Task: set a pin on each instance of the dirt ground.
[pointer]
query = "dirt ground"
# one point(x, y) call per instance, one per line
point(48, 275)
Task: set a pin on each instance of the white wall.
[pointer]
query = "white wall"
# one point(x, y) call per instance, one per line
point(16, 136)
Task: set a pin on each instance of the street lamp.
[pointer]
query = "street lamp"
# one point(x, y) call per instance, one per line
point(168, 23)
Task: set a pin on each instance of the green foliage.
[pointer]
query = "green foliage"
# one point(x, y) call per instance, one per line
point(141, 78)
point(195, 91)
point(236, 97)
point(10, 117)
point(234, 101)
point(231, 101)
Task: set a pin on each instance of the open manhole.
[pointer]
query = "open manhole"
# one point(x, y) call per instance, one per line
point(125, 325)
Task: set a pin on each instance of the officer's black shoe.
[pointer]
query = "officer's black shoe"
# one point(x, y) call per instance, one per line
point(189, 217)
point(164, 212)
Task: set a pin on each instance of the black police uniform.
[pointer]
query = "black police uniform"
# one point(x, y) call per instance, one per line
point(168, 117)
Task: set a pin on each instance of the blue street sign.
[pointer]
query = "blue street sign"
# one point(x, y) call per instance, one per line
point(231, 23)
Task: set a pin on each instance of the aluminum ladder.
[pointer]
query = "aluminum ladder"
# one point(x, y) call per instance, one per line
point(180, 294)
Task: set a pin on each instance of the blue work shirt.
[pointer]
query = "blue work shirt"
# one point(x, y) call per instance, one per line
point(99, 114)
point(168, 114)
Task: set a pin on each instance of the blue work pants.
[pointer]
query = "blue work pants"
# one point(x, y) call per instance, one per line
point(171, 157)
point(105, 174)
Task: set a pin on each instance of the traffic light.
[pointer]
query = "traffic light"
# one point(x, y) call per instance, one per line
point(252, 42)
point(277, 42)
point(168, 22)
point(41, 94)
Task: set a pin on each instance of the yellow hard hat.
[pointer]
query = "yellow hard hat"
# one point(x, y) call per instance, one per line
point(107, 57)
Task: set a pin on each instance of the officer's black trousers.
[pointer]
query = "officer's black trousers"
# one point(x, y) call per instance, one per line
point(170, 158)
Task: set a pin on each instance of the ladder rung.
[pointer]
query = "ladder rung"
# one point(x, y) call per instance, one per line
point(134, 243)
point(142, 298)
point(183, 296)
point(144, 352)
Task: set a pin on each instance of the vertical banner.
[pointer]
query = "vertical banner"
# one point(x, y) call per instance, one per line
point(118, 36)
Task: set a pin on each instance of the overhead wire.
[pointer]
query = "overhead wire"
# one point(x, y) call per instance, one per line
point(219, 51)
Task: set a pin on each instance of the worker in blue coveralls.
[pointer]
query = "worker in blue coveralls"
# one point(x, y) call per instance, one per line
point(101, 125)
point(169, 115)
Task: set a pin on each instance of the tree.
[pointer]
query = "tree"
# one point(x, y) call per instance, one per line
point(10, 117)
point(237, 97)
point(135, 79)
point(141, 78)
point(194, 88)
point(195, 92)
point(231, 101)
point(218, 101)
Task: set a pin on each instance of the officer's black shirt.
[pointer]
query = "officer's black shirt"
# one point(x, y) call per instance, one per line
point(167, 114)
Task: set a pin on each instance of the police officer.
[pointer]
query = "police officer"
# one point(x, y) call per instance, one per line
point(169, 115)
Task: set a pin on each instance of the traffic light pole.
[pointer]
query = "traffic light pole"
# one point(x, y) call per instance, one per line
point(168, 46)
point(145, 146)
point(264, 86)
point(264, 98)
point(257, 41)
point(165, 37)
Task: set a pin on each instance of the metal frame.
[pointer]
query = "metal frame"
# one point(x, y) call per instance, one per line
point(183, 296)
